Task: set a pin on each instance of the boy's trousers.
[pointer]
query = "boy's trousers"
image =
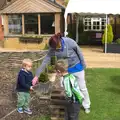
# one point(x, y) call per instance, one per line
point(72, 111)
point(23, 100)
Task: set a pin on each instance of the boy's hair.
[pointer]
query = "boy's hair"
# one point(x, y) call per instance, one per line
point(61, 65)
point(25, 62)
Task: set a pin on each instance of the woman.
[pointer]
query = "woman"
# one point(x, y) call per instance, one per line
point(64, 47)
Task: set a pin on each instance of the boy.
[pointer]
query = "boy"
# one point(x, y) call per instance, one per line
point(73, 94)
point(24, 85)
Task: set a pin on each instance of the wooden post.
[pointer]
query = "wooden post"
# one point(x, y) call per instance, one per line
point(57, 22)
point(23, 24)
point(39, 25)
point(5, 23)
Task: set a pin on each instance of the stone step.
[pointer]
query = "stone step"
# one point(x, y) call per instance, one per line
point(57, 107)
point(56, 118)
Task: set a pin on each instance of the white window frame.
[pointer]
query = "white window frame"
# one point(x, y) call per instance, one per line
point(92, 20)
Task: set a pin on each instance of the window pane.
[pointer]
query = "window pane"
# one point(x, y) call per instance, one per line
point(47, 24)
point(85, 23)
point(89, 27)
point(31, 23)
point(98, 27)
point(103, 27)
point(94, 27)
point(15, 24)
point(85, 28)
point(98, 23)
point(94, 23)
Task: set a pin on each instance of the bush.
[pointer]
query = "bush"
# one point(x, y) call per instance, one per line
point(46, 47)
point(43, 77)
point(51, 69)
point(53, 60)
point(118, 41)
point(109, 35)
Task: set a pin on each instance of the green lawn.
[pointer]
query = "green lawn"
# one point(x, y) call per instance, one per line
point(104, 90)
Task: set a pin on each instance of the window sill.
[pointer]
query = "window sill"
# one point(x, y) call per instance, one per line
point(14, 36)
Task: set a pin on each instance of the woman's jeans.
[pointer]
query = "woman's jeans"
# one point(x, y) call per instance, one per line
point(82, 85)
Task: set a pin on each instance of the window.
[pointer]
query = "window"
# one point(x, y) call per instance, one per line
point(15, 24)
point(31, 23)
point(47, 23)
point(94, 24)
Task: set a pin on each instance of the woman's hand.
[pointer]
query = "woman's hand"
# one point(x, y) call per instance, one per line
point(35, 81)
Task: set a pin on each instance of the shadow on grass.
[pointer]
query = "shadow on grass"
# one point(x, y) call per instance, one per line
point(113, 90)
point(115, 80)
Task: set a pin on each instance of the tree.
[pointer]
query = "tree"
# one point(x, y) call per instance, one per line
point(66, 2)
point(109, 35)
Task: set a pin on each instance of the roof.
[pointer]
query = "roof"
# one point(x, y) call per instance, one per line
point(31, 6)
point(2, 3)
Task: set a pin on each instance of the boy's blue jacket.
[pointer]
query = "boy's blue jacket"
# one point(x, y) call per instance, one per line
point(24, 81)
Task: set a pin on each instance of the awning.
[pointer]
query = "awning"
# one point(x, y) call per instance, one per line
point(92, 7)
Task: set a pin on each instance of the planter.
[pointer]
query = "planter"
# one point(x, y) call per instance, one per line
point(113, 48)
point(52, 77)
point(43, 90)
point(30, 40)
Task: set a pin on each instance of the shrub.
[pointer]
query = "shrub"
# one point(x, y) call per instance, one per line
point(118, 41)
point(109, 35)
point(46, 47)
point(51, 69)
point(43, 77)
point(53, 60)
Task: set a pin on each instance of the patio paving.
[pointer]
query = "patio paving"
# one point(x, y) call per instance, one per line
point(95, 58)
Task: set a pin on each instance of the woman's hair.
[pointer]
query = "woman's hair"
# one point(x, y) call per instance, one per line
point(61, 65)
point(26, 62)
point(55, 40)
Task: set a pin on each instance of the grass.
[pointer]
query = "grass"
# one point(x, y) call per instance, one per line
point(104, 90)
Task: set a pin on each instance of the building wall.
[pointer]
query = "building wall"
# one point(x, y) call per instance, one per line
point(8, 44)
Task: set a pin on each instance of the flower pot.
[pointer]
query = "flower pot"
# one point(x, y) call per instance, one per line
point(113, 48)
point(52, 77)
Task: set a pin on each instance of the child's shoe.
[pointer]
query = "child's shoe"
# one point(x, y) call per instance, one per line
point(20, 110)
point(87, 111)
point(28, 111)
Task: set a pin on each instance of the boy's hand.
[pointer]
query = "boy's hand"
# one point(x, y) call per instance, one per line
point(35, 81)
point(31, 88)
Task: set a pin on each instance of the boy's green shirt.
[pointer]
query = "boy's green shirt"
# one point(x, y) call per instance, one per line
point(72, 90)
